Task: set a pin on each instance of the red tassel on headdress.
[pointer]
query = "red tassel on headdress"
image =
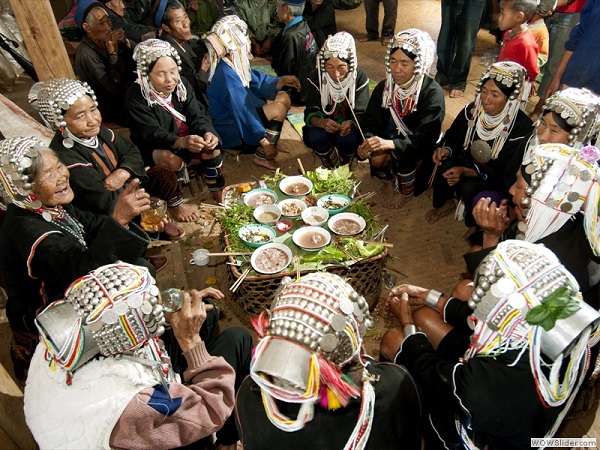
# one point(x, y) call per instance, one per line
point(339, 391)
point(260, 324)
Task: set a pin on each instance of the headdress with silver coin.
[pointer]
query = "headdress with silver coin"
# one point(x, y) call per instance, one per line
point(228, 41)
point(19, 156)
point(341, 45)
point(315, 328)
point(112, 311)
point(54, 97)
point(562, 182)
point(404, 99)
point(496, 128)
point(580, 108)
point(147, 53)
point(514, 285)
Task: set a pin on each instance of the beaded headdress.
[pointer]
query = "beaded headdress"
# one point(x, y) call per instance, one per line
point(497, 128)
point(228, 41)
point(525, 300)
point(114, 310)
point(580, 108)
point(341, 45)
point(315, 327)
point(563, 183)
point(403, 100)
point(145, 54)
point(17, 155)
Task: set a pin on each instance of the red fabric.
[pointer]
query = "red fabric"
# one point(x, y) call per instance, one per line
point(576, 6)
point(521, 49)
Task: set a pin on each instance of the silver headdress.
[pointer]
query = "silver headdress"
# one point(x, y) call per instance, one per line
point(419, 44)
point(497, 128)
point(316, 327)
point(113, 310)
point(228, 41)
point(18, 156)
point(563, 183)
point(580, 108)
point(145, 54)
point(525, 299)
point(341, 45)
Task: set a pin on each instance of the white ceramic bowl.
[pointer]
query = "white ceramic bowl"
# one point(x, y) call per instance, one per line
point(258, 197)
point(346, 224)
point(267, 214)
point(296, 186)
point(315, 216)
point(311, 238)
point(291, 207)
point(334, 203)
point(255, 235)
point(268, 259)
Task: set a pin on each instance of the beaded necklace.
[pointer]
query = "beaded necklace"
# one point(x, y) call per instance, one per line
point(59, 217)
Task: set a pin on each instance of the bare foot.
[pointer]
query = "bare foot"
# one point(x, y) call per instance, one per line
point(270, 164)
point(183, 213)
point(218, 196)
point(456, 93)
point(433, 215)
point(387, 189)
point(398, 201)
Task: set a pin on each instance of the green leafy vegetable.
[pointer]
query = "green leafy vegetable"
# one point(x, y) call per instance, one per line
point(336, 181)
point(558, 305)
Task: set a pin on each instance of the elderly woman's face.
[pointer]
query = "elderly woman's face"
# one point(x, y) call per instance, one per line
point(402, 67)
point(83, 118)
point(493, 99)
point(51, 185)
point(517, 190)
point(165, 75)
point(549, 132)
point(336, 68)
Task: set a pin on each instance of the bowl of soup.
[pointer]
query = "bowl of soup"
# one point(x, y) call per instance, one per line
point(346, 224)
point(315, 216)
point(291, 207)
point(255, 235)
point(334, 203)
point(271, 258)
point(296, 186)
point(267, 214)
point(259, 197)
point(311, 238)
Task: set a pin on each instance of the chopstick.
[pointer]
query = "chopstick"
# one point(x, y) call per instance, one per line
point(229, 254)
point(351, 109)
point(344, 251)
point(432, 177)
point(385, 244)
point(301, 167)
point(366, 196)
point(240, 280)
point(208, 205)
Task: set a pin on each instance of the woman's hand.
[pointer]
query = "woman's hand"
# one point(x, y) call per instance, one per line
point(401, 308)
point(288, 81)
point(210, 141)
point(416, 294)
point(188, 320)
point(331, 126)
point(492, 219)
point(440, 154)
point(453, 175)
point(345, 128)
point(373, 145)
point(158, 228)
point(116, 180)
point(131, 203)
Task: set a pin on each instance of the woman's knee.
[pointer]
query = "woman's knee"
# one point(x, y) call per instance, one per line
point(168, 158)
point(390, 343)
point(463, 290)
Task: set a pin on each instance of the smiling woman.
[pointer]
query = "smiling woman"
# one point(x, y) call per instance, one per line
point(45, 243)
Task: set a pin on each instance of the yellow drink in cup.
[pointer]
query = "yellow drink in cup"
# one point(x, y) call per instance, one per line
point(152, 217)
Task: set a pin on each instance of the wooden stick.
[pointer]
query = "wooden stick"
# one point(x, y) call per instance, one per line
point(297, 264)
point(240, 280)
point(432, 177)
point(344, 251)
point(352, 111)
point(229, 254)
point(385, 244)
point(301, 167)
point(208, 205)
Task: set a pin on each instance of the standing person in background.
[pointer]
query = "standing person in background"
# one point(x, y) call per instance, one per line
point(560, 17)
point(203, 14)
point(337, 87)
point(119, 17)
point(104, 59)
point(518, 44)
point(320, 16)
point(404, 117)
point(262, 21)
point(390, 12)
point(294, 50)
point(542, 39)
point(456, 42)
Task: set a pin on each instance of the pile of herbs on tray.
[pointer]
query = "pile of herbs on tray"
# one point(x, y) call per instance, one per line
point(325, 181)
point(232, 219)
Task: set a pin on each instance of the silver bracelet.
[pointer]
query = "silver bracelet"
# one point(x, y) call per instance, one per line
point(409, 329)
point(432, 299)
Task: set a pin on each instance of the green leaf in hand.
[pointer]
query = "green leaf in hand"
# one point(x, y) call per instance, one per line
point(558, 305)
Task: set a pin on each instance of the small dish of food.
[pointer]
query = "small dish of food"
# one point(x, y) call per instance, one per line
point(255, 235)
point(346, 224)
point(267, 214)
point(334, 203)
point(283, 226)
point(311, 238)
point(291, 207)
point(271, 258)
point(315, 216)
point(296, 186)
point(259, 197)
